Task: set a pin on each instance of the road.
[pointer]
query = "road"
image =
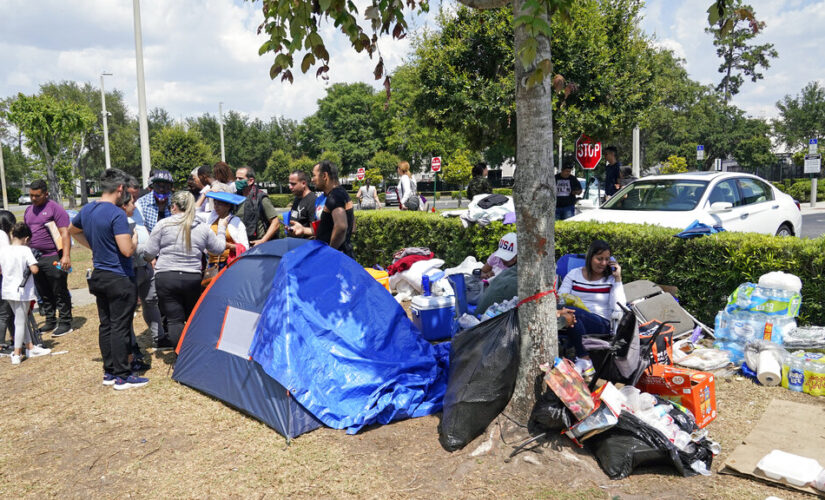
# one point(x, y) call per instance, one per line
point(813, 225)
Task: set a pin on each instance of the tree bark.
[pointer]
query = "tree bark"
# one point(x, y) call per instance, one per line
point(535, 200)
point(51, 176)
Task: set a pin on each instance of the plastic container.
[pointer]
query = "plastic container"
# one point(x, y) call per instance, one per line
point(434, 315)
point(380, 276)
point(794, 469)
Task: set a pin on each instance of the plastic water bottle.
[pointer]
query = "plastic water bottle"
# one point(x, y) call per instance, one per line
point(57, 265)
point(721, 328)
point(796, 373)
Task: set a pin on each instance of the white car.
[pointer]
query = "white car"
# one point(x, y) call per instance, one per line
point(736, 201)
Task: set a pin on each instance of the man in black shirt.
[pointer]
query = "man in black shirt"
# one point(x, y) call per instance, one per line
point(567, 188)
point(303, 206)
point(337, 219)
point(611, 177)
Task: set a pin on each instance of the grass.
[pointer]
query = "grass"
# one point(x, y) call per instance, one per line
point(66, 435)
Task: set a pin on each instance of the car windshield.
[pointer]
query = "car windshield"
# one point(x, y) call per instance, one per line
point(668, 195)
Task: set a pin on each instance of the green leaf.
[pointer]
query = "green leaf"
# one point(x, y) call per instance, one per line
point(528, 51)
point(264, 48)
point(307, 62)
point(713, 14)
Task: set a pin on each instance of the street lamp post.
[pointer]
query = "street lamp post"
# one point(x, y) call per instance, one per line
point(105, 121)
point(220, 123)
point(143, 119)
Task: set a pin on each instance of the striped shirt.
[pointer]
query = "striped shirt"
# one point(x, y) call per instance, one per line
point(601, 296)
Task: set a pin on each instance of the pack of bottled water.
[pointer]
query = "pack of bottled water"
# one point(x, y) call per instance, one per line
point(757, 312)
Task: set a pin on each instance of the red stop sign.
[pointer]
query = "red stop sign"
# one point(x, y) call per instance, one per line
point(436, 163)
point(360, 176)
point(588, 152)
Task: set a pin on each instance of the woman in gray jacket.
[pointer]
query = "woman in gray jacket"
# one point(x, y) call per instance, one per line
point(178, 243)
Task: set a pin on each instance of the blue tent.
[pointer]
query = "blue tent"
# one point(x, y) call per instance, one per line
point(298, 335)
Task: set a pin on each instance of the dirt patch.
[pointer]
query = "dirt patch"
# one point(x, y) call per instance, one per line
point(67, 435)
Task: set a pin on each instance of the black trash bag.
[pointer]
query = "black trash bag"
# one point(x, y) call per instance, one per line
point(549, 413)
point(483, 367)
point(684, 419)
point(632, 443)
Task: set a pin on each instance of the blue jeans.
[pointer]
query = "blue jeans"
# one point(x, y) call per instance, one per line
point(587, 323)
point(565, 212)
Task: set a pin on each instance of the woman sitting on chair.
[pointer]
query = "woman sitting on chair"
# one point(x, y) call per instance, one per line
point(599, 286)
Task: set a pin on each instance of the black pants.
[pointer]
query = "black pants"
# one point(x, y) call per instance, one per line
point(6, 320)
point(54, 291)
point(116, 301)
point(178, 293)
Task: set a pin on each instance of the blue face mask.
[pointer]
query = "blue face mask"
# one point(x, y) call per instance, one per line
point(161, 196)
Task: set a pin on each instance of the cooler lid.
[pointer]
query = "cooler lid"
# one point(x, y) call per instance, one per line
point(423, 303)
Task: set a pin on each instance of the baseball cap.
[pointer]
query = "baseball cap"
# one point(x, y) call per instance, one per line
point(507, 247)
point(161, 175)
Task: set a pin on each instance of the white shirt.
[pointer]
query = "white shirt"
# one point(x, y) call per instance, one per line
point(406, 188)
point(601, 296)
point(14, 261)
point(368, 195)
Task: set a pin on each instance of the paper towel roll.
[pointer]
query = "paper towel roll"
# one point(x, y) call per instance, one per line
point(768, 371)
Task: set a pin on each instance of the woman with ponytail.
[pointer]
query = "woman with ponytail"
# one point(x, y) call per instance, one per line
point(178, 243)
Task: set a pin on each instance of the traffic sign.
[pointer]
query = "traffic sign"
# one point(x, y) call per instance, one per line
point(588, 152)
point(360, 174)
point(361, 170)
point(813, 163)
point(700, 152)
point(436, 163)
point(812, 146)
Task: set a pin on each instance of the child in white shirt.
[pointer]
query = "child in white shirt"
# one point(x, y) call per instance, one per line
point(17, 263)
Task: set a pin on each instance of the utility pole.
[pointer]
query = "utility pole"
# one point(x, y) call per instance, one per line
point(3, 178)
point(220, 123)
point(105, 121)
point(637, 160)
point(143, 119)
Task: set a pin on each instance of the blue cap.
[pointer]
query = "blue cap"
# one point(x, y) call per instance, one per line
point(232, 198)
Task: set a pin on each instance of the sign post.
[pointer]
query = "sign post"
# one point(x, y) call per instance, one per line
point(435, 165)
point(360, 174)
point(588, 155)
point(813, 165)
point(700, 156)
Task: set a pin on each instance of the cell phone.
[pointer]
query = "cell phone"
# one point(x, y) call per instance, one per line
point(610, 269)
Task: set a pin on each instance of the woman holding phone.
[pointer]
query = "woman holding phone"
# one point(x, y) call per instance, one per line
point(599, 286)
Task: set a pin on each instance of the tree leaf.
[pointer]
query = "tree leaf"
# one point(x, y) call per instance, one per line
point(379, 68)
point(264, 48)
point(287, 76)
point(307, 62)
point(274, 71)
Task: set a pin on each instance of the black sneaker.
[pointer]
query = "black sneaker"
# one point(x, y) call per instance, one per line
point(164, 344)
point(129, 382)
point(138, 366)
point(62, 330)
point(49, 326)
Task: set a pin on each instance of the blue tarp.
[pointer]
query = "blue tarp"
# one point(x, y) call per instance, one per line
point(697, 229)
point(342, 346)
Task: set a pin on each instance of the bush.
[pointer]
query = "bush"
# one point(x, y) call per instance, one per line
point(801, 190)
point(281, 200)
point(504, 191)
point(13, 194)
point(706, 270)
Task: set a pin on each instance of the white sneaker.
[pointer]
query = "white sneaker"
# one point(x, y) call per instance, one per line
point(585, 367)
point(15, 359)
point(37, 351)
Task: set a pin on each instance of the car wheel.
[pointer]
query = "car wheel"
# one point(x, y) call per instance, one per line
point(784, 230)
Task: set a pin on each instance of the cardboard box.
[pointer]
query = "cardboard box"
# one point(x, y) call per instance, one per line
point(692, 389)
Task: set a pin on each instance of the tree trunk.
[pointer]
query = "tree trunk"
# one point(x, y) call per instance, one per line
point(535, 200)
point(84, 187)
point(51, 176)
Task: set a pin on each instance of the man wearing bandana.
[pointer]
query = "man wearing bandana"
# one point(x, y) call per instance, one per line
point(257, 213)
point(154, 206)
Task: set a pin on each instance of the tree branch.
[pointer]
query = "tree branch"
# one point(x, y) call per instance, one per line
point(485, 4)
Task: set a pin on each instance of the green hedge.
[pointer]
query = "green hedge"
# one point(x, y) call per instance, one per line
point(706, 270)
point(800, 189)
point(281, 200)
point(504, 191)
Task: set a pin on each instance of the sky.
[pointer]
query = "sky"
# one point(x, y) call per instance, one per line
point(198, 53)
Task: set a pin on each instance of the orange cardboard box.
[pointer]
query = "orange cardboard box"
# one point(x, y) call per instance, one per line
point(692, 389)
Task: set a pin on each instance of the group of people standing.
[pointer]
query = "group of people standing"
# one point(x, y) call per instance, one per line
point(162, 247)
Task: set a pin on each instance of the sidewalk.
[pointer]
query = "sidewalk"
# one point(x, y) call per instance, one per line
point(807, 209)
